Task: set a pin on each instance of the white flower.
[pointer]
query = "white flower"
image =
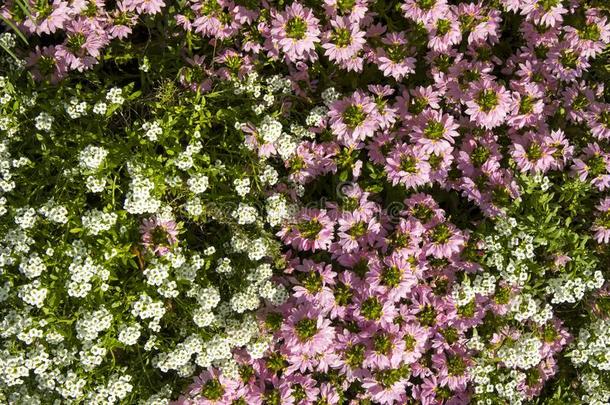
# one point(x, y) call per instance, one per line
point(129, 335)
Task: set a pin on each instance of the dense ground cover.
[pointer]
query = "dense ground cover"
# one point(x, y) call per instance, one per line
point(284, 202)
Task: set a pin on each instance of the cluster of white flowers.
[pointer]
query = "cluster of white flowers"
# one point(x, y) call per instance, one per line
point(591, 352)
point(54, 212)
point(152, 130)
point(115, 96)
point(146, 308)
point(242, 186)
point(139, 199)
point(91, 157)
point(129, 334)
point(198, 183)
point(571, 289)
point(44, 122)
point(91, 323)
point(96, 221)
point(83, 271)
point(76, 109)
point(523, 354)
point(245, 214)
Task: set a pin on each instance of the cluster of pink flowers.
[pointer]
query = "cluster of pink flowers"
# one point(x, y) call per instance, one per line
point(371, 316)
point(84, 28)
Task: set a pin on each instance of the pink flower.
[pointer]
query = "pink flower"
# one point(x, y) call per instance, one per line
point(344, 40)
point(487, 103)
point(532, 154)
point(311, 230)
point(408, 165)
point(353, 119)
point(601, 225)
point(306, 331)
point(296, 31)
point(394, 59)
point(444, 240)
point(435, 131)
point(159, 235)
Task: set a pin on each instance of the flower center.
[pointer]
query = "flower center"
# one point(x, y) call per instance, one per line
point(296, 28)
point(441, 234)
point(410, 342)
point(310, 229)
point(358, 230)
point(443, 26)
point(426, 4)
point(434, 130)
point(213, 390)
point(342, 37)
point(487, 100)
point(354, 355)
point(391, 276)
point(408, 164)
point(76, 42)
point(456, 365)
point(372, 309)
point(306, 329)
point(534, 151)
point(346, 5)
point(353, 116)
point(382, 343)
point(568, 59)
point(590, 32)
point(427, 316)
point(479, 156)
point(526, 105)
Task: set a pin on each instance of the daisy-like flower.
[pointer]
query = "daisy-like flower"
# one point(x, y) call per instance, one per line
point(548, 12)
point(393, 277)
point(357, 229)
point(46, 17)
point(532, 154)
point(312, 230)
point(601, 225)
point(159, 235)
point(296, 31)
point(487, 103)
point(355, 10)
point(395, 59)
point(344, 40)
point(598, 120)
point(425, 11)
point(82, 46)
point(444, 240)
point(594, 164)
point(307, 331)
point(443, 34)
point(353, 119)
point(452, 368)
point(566, 63)
point(435, 131)
point(528, 103)
point(387, 386)
point(151, 7)
point(210, 388)
point(594, 35)
point(415, 338)
point(408, 165)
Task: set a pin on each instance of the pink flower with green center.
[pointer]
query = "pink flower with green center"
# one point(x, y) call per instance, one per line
point(408, 165)
point(296, 31)
point(159, 235)
point(487, 103)
point(353, 119)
